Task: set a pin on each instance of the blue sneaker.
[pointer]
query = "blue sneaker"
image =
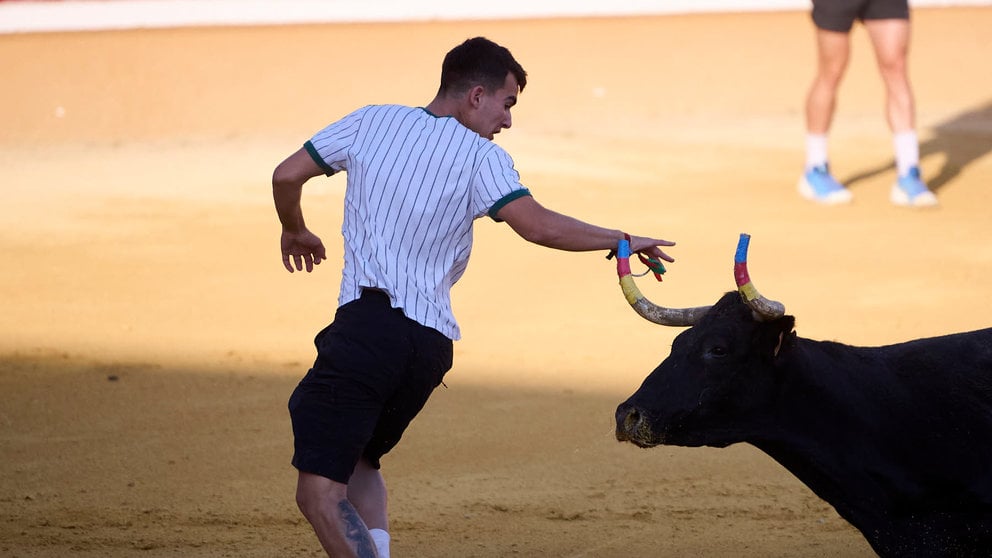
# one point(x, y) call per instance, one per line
point(818, 185)
point(910, 191)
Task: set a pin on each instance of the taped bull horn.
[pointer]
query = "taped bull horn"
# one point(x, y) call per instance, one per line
point(763, 308)
point(646, 309)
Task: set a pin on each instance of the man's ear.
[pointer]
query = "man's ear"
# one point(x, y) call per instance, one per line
point(475, 95)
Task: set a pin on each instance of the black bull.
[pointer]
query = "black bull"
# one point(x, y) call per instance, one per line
point(898, 439)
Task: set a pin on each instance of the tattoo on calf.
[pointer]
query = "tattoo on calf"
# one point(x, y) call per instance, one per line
point(356, 531)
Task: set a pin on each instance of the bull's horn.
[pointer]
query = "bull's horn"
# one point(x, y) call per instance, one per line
point(652, 312)
point(763, 308)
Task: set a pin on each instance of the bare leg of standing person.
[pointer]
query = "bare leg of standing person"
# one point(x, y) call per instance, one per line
point(817, 184)
point(890, 39)
point(833, 52)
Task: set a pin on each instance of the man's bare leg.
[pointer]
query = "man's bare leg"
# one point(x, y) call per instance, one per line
point(890, 39)
point(833, 52)
point(338, 525)
point(817, 183)
point(367, 491)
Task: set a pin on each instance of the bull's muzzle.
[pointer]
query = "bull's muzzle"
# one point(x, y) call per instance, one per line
point(633, 426)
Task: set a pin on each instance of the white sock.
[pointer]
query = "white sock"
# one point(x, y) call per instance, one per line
point(816, 150)
point(381, 539)
point(907, 148)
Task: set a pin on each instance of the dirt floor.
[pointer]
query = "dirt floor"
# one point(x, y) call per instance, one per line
point(149, 336)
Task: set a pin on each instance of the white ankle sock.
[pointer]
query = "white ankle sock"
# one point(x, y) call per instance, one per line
point(816, 150)
point(381, 539)
point(907, 148)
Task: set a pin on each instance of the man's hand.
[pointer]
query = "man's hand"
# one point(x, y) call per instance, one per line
point(304, 248)
point(650, 247)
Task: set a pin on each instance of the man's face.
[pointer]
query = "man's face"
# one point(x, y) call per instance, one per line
point(493, 111)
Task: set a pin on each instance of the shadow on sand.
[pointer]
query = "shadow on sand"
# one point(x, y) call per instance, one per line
point(962, 139)
point(106, 458)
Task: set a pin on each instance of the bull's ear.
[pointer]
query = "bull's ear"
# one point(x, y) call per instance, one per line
point(773, 335)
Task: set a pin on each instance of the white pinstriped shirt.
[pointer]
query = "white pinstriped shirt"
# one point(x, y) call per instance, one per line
point(416, 183)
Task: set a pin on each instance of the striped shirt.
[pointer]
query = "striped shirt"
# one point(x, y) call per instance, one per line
point(416, 183)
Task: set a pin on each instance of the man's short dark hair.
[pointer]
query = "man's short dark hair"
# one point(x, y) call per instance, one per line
point(479, 61)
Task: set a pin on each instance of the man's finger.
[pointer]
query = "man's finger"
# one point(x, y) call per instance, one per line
point(285, 263)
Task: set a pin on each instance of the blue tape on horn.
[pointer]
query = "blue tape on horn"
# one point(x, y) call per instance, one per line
point(742, 244)
point(623, 249)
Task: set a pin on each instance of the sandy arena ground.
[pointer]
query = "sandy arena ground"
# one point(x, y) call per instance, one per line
point(149, 337)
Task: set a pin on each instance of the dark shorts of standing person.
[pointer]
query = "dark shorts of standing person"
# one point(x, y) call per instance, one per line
point(375, 370)
point(839, 15)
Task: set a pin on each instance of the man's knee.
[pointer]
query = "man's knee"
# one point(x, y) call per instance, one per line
point(893, 69)
point(305, 500)
point(316, 495)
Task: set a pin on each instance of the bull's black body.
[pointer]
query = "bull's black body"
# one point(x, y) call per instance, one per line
point(897, 438)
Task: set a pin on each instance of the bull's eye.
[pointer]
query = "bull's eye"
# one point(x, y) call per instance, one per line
point(717, 351)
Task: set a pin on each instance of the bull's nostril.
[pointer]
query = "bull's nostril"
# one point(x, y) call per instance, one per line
point(624, 421)
point(631, 421)
point(628, 419)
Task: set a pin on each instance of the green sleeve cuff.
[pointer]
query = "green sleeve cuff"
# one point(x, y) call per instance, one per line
point(318, 159)
point(516, 194)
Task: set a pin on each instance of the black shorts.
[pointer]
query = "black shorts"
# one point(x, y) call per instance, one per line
point(375, 370)
point(839, 15)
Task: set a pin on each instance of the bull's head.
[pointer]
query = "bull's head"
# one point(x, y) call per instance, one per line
point(719, 372)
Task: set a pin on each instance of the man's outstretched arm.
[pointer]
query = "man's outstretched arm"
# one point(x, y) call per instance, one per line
point(540, 225)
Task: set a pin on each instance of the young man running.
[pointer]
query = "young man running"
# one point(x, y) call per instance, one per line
point(417, 178)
